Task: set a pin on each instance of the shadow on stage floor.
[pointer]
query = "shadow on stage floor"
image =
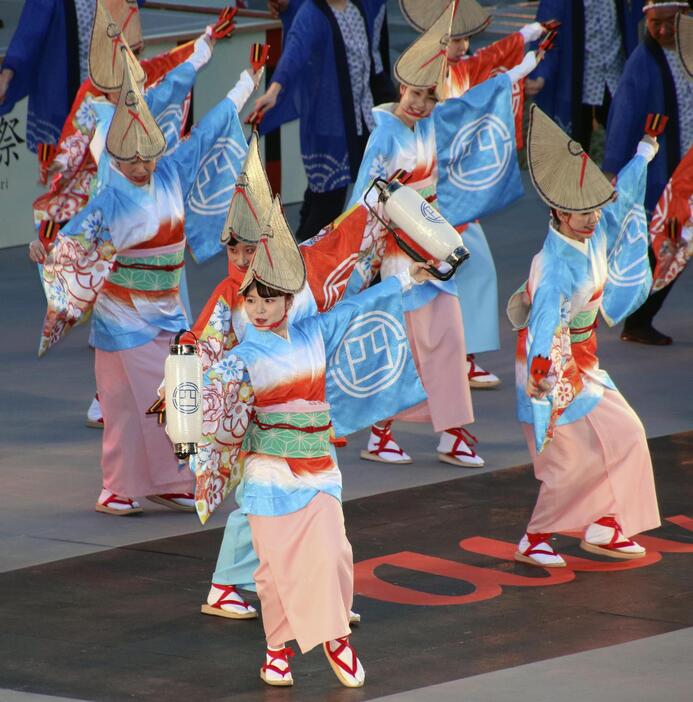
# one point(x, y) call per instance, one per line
point(440, 597)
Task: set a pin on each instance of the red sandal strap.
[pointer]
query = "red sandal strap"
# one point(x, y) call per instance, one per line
point(283, 654)
point(178, 496)
point(462, 436)
point(473, 371)
point(226, 591)
point(614, 543)
point(536, 540)
point(334, 655)
point(384, 436)
point(118, 500)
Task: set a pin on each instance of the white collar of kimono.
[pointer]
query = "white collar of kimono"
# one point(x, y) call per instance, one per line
point(265, 336)
point(122, 183)
point(384, 115)
point(581, 246)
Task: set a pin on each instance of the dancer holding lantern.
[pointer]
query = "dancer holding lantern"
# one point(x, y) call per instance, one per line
point(329, 258)
point(123, 256)
point(269, 395)
point(588, 445)
point(404, 140)
point(477, 283)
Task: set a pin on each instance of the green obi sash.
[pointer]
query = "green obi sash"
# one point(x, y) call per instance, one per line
point(148, 273)
point(582, 327)
point(289, 434)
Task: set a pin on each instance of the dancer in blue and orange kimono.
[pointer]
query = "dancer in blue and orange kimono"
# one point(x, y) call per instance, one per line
point(405, 140)
point(122, 257)
point(330, 258)
point(588, 446)
point(476, 282)
point(269, 407)
point(169, 79)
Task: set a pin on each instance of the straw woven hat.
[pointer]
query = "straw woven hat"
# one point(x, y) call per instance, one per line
point(470, 17)
point(252, 199)
point(565, 177)
point(424, 63)
point(684, 41)
point(277, 262)
point(126, 15)
point(106, 53)
point(133, 132)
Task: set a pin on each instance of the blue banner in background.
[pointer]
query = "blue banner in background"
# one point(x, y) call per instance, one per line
point(478, 173)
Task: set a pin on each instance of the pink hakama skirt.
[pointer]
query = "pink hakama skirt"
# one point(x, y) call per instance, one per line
point(137, 457)
point(436, 338)
point(305, 579)
point(597, 466)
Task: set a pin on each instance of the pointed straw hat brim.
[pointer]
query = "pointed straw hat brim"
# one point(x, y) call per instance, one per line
point(424, 62)
point(133, 133)
point(252, 199)
point(470, 17)
point(277, 262)
point(126, 14)
point(684, 41)
point(132, 30)
point(565, 177)
point(106, 47)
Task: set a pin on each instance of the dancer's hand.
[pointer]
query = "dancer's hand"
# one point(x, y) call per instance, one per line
point(538, 390)
point(37, 251)
point(265, 102)
point(420, 271)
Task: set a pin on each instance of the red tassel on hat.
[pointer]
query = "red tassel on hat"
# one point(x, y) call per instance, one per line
point(655, 124)
point(225, 24)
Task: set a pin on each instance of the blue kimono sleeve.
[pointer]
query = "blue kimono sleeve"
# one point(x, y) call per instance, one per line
point(544, 324)
point(376, 162)
point(91, 222)
point(26, 49)
point(220, 121)
point(627, 115)
point(169, 94)
point(370, 371)
point(624, 224)
point(544, 318)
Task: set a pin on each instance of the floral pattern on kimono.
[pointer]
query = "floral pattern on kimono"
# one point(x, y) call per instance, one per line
point(671, 228)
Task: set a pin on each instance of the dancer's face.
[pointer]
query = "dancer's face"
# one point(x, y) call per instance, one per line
point(240, 255)
point(457, 48)
point(267, 313)
point(138, 172)
point(579, 226)
point(414, 104)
